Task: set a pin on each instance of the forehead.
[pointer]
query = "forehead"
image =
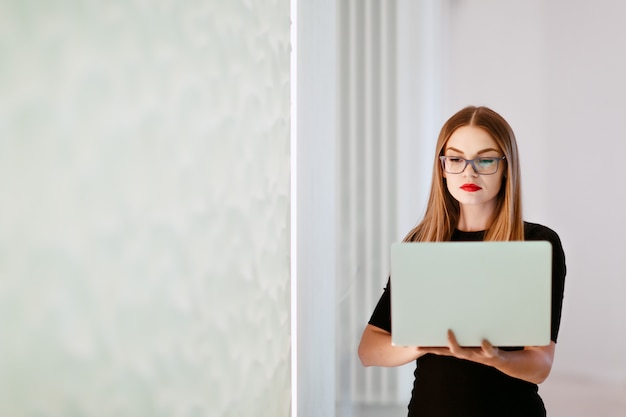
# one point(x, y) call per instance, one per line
point(471, 139)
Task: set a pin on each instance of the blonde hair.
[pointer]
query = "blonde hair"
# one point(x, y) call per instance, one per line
point(442, 213)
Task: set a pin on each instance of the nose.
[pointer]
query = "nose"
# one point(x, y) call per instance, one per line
point(470, 169)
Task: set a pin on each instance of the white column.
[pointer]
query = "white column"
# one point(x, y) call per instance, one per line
point(419, 73)
point(314, 172)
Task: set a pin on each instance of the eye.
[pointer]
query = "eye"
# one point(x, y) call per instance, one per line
point(454, 159)
point(485, 162)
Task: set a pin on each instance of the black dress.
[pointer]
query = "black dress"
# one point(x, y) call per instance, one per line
point(450, 387)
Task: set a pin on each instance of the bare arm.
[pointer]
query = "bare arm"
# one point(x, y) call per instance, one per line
point(376, 349)
point(533, 364)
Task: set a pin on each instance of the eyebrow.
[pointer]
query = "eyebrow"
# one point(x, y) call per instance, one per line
point(477, 153)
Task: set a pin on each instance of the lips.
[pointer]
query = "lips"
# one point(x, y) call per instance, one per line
point(470, 188)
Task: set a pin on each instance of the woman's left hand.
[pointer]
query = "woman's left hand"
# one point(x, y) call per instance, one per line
point(532, 364)
point(486, 354)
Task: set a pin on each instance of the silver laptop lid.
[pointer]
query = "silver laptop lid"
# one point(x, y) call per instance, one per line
point(499, 291)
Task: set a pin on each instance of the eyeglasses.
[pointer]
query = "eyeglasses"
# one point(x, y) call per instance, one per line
point(484, 165)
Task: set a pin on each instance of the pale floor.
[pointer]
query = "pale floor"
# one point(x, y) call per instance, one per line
point(575, 397)
point(564, 397)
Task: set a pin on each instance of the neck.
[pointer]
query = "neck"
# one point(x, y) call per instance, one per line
point(475, 218)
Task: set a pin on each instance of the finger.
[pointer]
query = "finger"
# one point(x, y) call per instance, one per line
point(488, 349)
point(453, 344)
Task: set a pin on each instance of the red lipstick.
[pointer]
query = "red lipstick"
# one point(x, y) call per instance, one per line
point(470, 187)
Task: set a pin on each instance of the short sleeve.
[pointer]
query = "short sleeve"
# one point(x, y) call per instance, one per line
point(538, 232)
point(381, 317)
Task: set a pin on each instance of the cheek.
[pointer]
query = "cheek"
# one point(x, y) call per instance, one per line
point(452, 187)
point(498, 184)
point(502, 181)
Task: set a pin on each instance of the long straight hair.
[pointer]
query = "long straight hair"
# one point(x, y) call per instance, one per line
point(443, 211)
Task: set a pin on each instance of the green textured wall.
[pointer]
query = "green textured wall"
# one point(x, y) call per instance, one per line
point(144, 208)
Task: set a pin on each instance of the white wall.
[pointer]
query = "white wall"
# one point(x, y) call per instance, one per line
point(556, 70)
point(144, 208)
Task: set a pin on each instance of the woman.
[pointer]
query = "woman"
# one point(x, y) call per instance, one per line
point(475, 195)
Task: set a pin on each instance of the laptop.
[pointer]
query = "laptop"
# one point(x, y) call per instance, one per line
point(499, 291)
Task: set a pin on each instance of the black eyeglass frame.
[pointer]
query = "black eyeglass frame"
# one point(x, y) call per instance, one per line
point(471, 162)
